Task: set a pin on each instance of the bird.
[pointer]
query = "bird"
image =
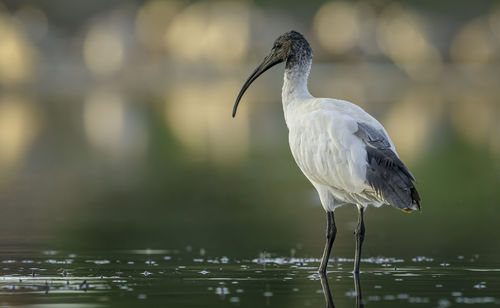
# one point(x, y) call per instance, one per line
point(342, 150)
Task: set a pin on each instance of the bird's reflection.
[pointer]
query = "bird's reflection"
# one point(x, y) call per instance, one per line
point(326, 291)
point(328, 294)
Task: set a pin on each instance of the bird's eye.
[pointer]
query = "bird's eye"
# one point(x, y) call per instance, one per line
point(278, 45)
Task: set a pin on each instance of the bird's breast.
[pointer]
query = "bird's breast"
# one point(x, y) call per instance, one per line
point(327, 151)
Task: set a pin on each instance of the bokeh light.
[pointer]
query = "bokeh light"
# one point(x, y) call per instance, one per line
point(412, 122)
point(474, 43)
point(111, 127)
point(18, 127)
point(212, 31)
point(336, 26)
point(152, 21)
point(402, 37)
point(18, 56)
point(103, 49)
point(198, 116)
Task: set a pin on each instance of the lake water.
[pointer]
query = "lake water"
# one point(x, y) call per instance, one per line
point(189, 278)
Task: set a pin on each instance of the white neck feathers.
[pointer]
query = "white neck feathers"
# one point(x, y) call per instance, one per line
point(295, 86)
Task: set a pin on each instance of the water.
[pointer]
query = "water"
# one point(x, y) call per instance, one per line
point(182, 277)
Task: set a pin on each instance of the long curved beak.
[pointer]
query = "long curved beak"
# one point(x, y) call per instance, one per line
point(268, 62)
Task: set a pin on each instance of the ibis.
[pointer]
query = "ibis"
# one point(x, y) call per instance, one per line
point(343, 151)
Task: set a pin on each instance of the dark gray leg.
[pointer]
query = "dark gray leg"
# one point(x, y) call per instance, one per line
point(357, 287)
point(326, 292)
point(331, 231)
point(360, 236)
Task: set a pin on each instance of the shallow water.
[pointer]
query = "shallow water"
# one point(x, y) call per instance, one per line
point(180, 277)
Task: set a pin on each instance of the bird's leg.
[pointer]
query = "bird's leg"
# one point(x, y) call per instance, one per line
point(360, 236)
point(326, 292)
point(331, 231)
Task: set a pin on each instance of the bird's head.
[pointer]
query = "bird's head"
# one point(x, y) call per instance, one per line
point(290, 47)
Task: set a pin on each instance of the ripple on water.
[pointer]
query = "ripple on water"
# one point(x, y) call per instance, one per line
point(98, 262)
point(475, 300)
point(221, 291)
point(483, 269)
point(150, 251)
point(234, 299)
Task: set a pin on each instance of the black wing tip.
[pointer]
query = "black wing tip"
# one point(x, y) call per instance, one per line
point(415, 197)
point(414, 207)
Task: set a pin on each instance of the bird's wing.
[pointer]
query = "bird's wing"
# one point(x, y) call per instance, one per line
point(351, 153)
point(385, 172)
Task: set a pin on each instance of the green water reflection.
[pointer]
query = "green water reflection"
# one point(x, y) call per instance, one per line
point(67, 197)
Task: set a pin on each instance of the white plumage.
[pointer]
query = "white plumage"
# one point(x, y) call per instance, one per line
point(344, 152)
point(323, 142)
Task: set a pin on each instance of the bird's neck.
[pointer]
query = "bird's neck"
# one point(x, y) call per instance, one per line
point(295, 84)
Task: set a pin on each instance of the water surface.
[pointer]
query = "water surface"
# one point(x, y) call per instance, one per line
point(189, 278)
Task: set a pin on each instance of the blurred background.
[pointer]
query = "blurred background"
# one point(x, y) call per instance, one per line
point(116, 128)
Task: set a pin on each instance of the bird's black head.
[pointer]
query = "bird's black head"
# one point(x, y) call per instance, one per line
point(290, 47)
